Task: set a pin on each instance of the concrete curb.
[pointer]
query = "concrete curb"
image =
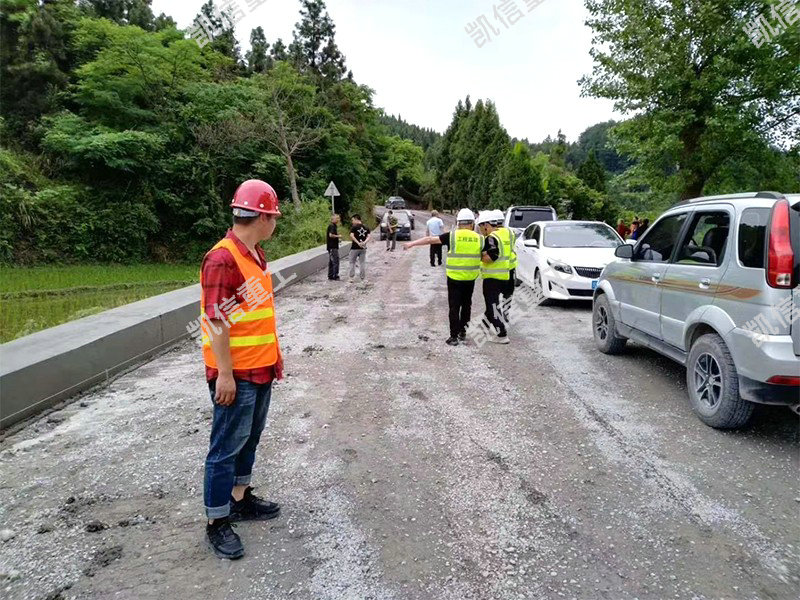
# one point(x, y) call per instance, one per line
point(39, 370)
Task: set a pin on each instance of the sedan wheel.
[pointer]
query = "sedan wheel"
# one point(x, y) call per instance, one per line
point(538, 288)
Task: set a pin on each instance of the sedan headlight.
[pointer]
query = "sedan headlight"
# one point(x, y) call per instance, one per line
point(559, 266)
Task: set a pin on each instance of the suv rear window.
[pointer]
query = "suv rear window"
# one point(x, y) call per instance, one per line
point(522, 217)
point(752, 231)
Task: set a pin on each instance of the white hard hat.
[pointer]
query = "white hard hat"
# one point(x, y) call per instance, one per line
point(465, 214)
point(485, 216)
point(498, 216)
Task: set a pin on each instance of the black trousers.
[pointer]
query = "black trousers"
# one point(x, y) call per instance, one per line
point(508, 292)
point(459, 298)
point(436, 252)
point(333, 263)
point(492, 288)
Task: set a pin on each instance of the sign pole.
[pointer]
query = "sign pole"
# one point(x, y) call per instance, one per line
point(332, 192)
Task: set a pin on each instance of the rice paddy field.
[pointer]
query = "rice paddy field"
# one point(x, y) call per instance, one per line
point(34, 298)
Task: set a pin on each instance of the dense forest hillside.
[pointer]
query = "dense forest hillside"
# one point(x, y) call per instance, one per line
point(123, 140)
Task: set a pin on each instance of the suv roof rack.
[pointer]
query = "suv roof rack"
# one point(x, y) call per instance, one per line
point(741, 196)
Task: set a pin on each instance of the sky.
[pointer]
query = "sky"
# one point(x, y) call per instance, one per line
point(420, 61)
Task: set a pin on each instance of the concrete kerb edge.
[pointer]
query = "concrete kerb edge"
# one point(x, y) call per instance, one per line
point(88, 342)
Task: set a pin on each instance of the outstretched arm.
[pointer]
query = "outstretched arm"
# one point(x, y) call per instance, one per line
point(426, 241)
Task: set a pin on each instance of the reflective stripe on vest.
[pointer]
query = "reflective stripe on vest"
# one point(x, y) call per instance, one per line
point(498, 269)
point(463, 260)
point(253, 339)
point(505, 234)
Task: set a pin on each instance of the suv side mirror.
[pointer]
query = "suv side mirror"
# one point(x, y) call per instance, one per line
point(531, 243)
point(624, 251)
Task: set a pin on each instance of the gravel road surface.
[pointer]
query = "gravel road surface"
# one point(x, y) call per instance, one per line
point(410, 469)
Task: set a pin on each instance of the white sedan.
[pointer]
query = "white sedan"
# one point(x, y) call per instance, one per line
point(563, 259)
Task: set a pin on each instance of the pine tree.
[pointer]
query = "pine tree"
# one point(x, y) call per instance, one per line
point(224, 41)
point(314, 48)
point(279, 51)
point(258, 59)
point(517, 181)
point(592, 173)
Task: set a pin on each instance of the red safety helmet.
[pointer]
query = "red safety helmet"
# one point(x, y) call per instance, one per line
point(255, 196)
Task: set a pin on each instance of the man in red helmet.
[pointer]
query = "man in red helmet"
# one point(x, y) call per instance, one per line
point(242, 358)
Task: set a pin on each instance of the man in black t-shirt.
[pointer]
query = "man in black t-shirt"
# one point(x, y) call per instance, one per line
point(332, 237)
point(358, 252)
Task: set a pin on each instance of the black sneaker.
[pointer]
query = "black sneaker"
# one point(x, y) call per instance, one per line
point(462, 335)
point(223, 540)
point(451, 341)
point(253, 508)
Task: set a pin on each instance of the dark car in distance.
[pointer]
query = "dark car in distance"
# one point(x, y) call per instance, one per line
point(403, 225)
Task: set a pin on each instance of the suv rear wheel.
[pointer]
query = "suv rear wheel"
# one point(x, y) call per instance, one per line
point(713, 384)
point(605, 328)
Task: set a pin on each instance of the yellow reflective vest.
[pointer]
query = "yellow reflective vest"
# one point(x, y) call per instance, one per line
point(463, 260)
point(500, 268)
point(505, 234)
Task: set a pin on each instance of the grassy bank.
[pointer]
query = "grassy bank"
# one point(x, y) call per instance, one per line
point(35, 298)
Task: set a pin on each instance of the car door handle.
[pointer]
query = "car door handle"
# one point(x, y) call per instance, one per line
point(704, 283)
point(656, 277)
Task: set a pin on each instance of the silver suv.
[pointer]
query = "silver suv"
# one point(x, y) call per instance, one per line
point(713, 285)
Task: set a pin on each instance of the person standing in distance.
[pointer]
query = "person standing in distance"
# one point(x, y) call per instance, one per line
point(434, 228)
point(391, 230)
point(360, 236)
point(332, 236)
point(242, 357)
point(495, 267)
point(463, 266)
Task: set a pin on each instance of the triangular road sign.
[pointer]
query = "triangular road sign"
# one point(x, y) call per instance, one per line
point(332, 191)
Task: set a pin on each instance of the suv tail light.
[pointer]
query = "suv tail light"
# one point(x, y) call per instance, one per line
point(780, 259)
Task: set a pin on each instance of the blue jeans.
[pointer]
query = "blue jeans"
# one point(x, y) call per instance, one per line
point(235, 432)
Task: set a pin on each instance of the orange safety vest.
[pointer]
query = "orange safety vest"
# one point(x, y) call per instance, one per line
point(253, 338)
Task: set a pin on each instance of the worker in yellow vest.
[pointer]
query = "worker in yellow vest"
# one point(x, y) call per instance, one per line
point(242, 358)
point(509, 240)
point(495, 272)
point(463, 267)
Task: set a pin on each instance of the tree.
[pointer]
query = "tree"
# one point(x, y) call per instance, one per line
point(34, 59)
point(314, 48)
point(597, 137)
point(122, 12)
point(258, 59)
point(592, 173)
point(291, 118)
point(221, 22)
point(419, 135)
point(164, 21)
point(558, 153)
point(279, 51)
point(403, 164)
point(699, 86)
point(517, 181)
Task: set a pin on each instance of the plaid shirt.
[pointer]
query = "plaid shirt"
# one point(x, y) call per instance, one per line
point(221, 279)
